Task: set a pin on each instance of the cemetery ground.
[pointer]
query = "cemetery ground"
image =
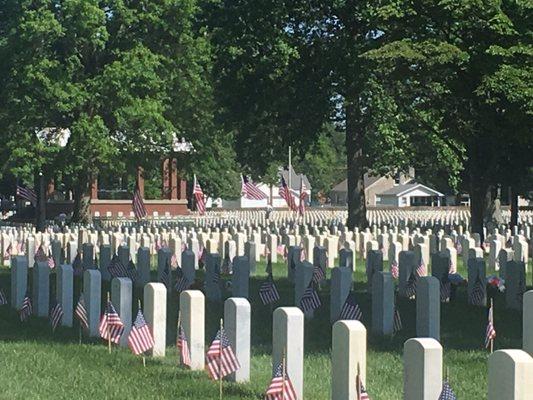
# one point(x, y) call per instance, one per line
point(38, 364)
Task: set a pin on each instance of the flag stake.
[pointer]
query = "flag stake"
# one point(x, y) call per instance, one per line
point(492, 322)
point(178, 336)
point(283, 374)
point(143, 354)
point(80, 333)
point(220, 359)
point(108, 328)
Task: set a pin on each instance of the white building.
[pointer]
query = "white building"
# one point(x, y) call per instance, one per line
point(409, 195)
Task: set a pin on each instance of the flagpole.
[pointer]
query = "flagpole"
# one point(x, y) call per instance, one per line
point(492, 322)
point(220, 359)
point(80, 333)
point(178, 335)
point(108, 327)
point(144, 357)
point(283, 372)
point(290, 168)
point(358, 383)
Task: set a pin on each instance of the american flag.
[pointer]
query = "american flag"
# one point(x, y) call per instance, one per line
point(445, 290)
point(303, 253)
point(3, 298)
point(26, 310)
point(310, 300)
point(181, 281)
point(183, 347)
point(350, 309)
point(268, 292)
point(280, 249)
point(220, 358)
point(453, 268)
point(116, 268)
point(397, 323)
point(394, 270)
point(250, 190)
point(111, 326)
point(280, 387)
point(51, 262)
point(447, 392)
point(268, 268)
point(286, 194)
point(56, 315)
point(27, 193)
point(140, 338)
point(227, 266)
point(8, 251)
point(198, 194)
point(303, 196)
point(410, 287)
point(318, 274)
point(173, 260)
point(421, 269)
point(165, 274)
point(360, 388)
point(137, 204)
point(131, 271)
point(490, 332)
point(81, 313)
point(477, 294)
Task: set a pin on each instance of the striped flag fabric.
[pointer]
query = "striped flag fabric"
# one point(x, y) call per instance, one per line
point(318, 274)
point(26, 310)
point(394, 270)
point(140, 338)
point(397, 323)
point(421, 269)
point(447, 392)
point(183, 347)
point(286, 193)
point(410, 287)
point(111, 326)
point(198, 194)
point(131, 271)
point(116, 268)
point(137, 204)
point(166, 274)
point(250, 190)
point(181, 281)
point(8, 251)
point(280, 387)
point(27, 193)
point(81, 312)
point(360, 388)
point(51, 262)
point(477, 294)
point(445, 290)
point(310, 300)
point(350, 309)
point(56, 315)
point(490, 332)
point(3, 298)
point(268, 292)
point(303, 196)
point(220, 358)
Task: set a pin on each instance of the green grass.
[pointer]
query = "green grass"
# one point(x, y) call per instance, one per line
point(36, 364)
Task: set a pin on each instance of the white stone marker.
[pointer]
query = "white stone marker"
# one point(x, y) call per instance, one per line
point(348, 351)
point(121, 297)
point(41, 289)
point(240, 280)
point(341, 283)
point(382, 303)
point(288, 338)
point(237, 313)
point(192, 309)
point(92, 292)
point(428, 307)
point(155, 312)
point(527, 326)
point(510, 375)
point(105, 259)
point(65, 287)
point(19, 280)
point(143, 266)
point(422, 366)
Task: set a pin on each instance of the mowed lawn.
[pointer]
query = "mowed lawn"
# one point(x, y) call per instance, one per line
point(37, 364)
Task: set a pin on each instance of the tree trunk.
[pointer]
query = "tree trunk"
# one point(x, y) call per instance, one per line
point(355, 167)
point(40, 207)
point(480, 198)
point(514, 206)
point(81, 213)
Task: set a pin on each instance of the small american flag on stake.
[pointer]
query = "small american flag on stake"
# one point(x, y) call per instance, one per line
point(421, 269)
point(181, 281)
point(286, 193)
point(183, 347)
point(394, 270)
point(56, 315)
point(350, 309)
point(220, 358)
point(359, 387)
point(310, 300)
point(447, 392)
point(139, 209)
point(410, 287)
point(111, 326)
point(318, 274)
point(280, 387)
point(268, 292)
point(250, 190)
point(3, 298)
point(490, 332)
point(445, 290)
point(26, 310)
point(477, 294)
point(198, 194)
point(27, 193)
point(81, 313)
point(397, 323)
point(140, 338)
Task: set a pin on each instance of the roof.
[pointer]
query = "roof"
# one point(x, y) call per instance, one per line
point(295, 179)
point(400, 190)
point(369, 181)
